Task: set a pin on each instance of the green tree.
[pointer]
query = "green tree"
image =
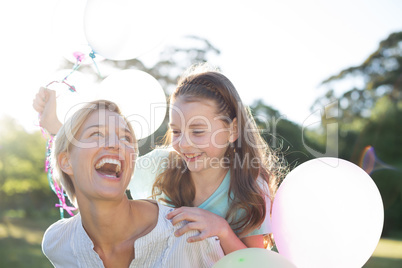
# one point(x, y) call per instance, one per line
point(379, 75)
point(282, 135)
point(370, 114)
point(383, 132)
point(23, 182)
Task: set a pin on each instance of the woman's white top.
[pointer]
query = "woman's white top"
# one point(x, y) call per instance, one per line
point(66, 244)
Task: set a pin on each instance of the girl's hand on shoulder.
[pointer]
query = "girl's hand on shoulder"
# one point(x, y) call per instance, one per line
point(207, 223)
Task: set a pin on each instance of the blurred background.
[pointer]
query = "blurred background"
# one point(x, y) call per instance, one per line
point(322, 79)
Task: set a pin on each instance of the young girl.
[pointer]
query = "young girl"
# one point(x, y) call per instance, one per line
point(220, 175)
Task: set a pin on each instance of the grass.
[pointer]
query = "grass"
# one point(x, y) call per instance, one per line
point(20, 245)
point(20, 242)
point(388, 254)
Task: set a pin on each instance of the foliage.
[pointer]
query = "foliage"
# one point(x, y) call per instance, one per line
point(23, 182)
point(384, 133)
point(379, 75)
point(281, 134)
point(369, 113)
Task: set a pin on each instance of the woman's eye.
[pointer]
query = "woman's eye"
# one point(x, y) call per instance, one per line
point(97, 134)
point(127, 138)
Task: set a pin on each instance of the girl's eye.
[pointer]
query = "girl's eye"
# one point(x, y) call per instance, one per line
point(175, 132)
point(198, 132)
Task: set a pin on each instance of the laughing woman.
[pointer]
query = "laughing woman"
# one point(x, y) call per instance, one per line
point(94, 157)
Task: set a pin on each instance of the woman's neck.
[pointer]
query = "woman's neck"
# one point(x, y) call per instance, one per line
point(107, 222)
point(111, 223)
point(114, 226)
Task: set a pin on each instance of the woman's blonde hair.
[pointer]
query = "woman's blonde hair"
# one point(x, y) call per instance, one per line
point(65, 139)
point(245, 191)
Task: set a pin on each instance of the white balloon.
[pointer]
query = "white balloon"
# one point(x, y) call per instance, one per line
point(68, 30)
point(327, 212)
point(139, 96)
point(125, 29)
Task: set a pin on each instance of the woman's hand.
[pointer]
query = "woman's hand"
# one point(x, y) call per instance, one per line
point(207, 223)
point(45, 104)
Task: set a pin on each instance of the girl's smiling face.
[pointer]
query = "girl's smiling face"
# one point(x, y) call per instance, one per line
point(102, 156)
point(199, 135)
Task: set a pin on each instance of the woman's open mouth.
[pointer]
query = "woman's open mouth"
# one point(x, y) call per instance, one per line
point(109, 167)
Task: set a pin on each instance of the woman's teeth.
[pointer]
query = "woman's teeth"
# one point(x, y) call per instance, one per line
point(111, 161)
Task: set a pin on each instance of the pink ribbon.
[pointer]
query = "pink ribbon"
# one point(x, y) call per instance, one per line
point(60, 194)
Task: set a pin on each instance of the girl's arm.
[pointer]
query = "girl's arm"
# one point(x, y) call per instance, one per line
point(45, 104)
point(254, 241)
point(210, 224)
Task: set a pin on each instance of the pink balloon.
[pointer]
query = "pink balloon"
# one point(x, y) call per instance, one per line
point(328, 212)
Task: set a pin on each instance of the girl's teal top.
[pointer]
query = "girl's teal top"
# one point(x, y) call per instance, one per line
point(150, 165)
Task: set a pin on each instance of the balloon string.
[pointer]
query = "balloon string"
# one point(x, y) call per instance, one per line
point(54, 185)
point(92, 55)
point(79, 58)
point(70, 87)
point(75, 67)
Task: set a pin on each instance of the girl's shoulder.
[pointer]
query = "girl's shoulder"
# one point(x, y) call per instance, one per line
point(153, 161)
point(156, 154)
point(147, 168)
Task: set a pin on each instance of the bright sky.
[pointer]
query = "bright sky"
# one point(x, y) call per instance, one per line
point(278, 51)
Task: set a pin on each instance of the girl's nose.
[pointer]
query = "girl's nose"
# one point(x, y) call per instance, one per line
point(185, 141)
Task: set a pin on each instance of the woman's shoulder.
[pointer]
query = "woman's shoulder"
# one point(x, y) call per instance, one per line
point(59, 233)
point(162, 209)
point(58, 242)
point(62, 225)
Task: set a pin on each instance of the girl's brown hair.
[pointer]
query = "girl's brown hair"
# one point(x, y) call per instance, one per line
point(249, 156)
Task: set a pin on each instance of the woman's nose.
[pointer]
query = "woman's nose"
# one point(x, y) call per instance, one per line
point(112, 141)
